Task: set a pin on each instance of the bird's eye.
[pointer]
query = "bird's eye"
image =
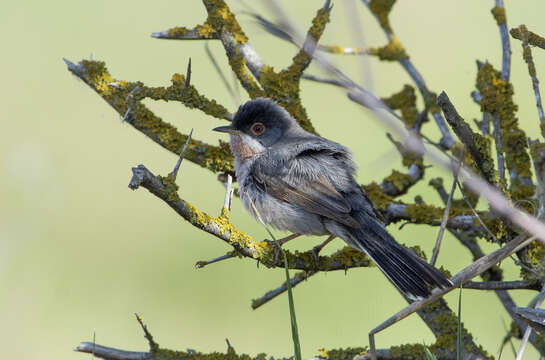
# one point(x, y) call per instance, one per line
point(257, 128)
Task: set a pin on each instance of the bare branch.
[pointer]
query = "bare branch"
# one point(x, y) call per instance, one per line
point(203, 263)
point(501, 285)
point(498, 11)
point(182, 154)
point(435, 252)
point(527, 55)
point(108, 353)
point(271, 294)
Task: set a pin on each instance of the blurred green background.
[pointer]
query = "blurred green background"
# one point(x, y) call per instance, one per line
point(80, 252)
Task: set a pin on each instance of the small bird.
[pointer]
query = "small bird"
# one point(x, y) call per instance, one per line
point(304, 183)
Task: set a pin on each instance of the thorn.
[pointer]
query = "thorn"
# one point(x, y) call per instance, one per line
point(179, 162)
point(188, 74)
point(229, 347)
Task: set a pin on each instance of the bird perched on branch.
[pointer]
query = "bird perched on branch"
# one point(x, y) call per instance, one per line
point(303, 183)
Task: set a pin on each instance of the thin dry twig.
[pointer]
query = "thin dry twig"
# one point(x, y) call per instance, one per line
point(203, 263)
point(435, 252)
point(271, 294)
point(179, 162)
point(471, 271)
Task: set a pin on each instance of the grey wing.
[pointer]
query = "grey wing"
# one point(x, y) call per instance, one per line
point(308, 190)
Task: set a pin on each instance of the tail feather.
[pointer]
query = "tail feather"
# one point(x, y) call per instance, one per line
point(410, 274)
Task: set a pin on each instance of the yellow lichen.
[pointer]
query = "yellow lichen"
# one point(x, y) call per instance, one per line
point(179, 31)
point(220, 18)
point(394, 51)
point(205, 30)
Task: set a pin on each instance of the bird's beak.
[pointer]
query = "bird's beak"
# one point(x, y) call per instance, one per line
point(225, 129)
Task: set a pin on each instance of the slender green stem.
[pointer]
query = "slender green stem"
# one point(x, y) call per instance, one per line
point(294, 330)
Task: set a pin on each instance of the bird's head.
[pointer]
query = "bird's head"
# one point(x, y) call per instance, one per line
point(259, 124)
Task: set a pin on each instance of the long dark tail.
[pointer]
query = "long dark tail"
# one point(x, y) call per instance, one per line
point(409, 273)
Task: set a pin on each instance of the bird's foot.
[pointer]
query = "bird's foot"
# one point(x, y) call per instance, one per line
point(277, 248)
point(316, 250)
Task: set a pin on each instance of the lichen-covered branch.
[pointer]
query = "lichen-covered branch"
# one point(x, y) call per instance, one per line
point(395, 51)
point(220, 227)
point(533, 38)
point(527, 55)
point(118, 94)
point(199, 32)
point(477, 145)
point(498, 101)
point(498, 11)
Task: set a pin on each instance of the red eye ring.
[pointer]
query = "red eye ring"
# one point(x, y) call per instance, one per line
point(257, 128)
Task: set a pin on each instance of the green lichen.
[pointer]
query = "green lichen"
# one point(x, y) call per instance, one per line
point(400, 180)
point(166, 354)
point(380, 200)
point(499, 14)
point(343, 354)
point(537, 151)
point(498, 100)
point(408, 352)
point(284, 88)
point(405, 100)
point(187, 95)
point(351, 257)
point(533, 256)
point(171, 191)
point(484, 147)
point(425, 213)
point(430, 101)
point(238, 65)
point(178, 31)
point(533, 38)
point(221, 19)
point(393, 51)
point(381, 9)
point(121, 97)
point(496, 226)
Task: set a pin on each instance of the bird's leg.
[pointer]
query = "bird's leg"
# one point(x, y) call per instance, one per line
point(278, 243)
point(316, 250)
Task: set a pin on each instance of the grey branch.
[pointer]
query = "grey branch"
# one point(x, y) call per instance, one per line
point(108, 353)
point(505, 44)
point(501, 285)
point(269, 295)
